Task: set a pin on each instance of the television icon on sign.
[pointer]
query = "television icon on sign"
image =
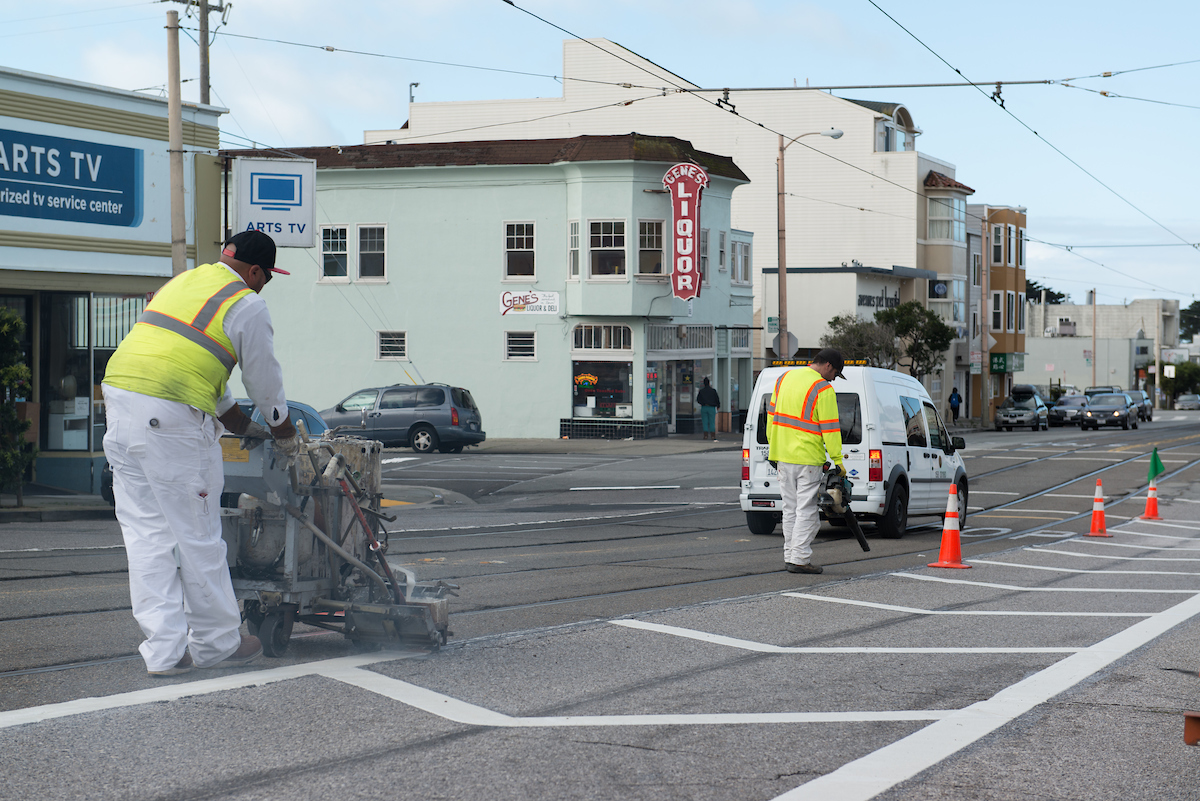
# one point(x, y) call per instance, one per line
point(275, 191)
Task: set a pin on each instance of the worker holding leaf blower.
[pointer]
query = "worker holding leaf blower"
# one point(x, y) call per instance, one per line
point(802, 424)
point(167, 406)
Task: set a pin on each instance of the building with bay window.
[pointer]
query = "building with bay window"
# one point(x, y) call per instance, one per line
point(535, 273)
point(85, 239)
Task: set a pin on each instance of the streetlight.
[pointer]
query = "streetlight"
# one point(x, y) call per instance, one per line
point(832, 133)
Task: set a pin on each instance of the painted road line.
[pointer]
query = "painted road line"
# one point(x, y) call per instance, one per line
point(398, 459)
point(610, 489)
point(1122, 558)
point(1154, 534)
point(992, 492)
point(1166, 524)
point(868, 776)
point(1096, 541)
point(453, 709)
point(980, 612)
point(1077, 570)
point(1015, 588)
point(1045, 511)
point(60, 550)
point(1064, 495)
point(766, 648)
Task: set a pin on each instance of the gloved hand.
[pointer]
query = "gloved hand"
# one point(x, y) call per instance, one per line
point(841, 469)
point(774, 464)
point(286, 439)
point(254, 435)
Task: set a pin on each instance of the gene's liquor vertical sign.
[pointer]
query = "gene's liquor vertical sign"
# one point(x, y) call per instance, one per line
point(685, 182)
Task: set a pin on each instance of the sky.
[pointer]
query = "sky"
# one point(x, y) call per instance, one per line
point(1113, 178)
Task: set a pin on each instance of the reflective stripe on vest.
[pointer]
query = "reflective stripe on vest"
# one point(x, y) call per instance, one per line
point(192, 334)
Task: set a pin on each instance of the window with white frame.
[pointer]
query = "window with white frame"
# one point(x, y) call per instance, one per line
point(976, 269)
point(607, 248)
point(997, 318)
point(1020, 312)
point(997, 244)
point(704, 255)
point(1012, 251)
point(518, 250)
point(603, 337)
point(391, 345)
point(948, 218)
point(573, 248)
point(372, 247)
point(1010, 311)
point(974, 323)
point(650, 247)
point(721, 251)
point(520, 346)
point(333, 252)
point(1020, 247)
point(740, 266)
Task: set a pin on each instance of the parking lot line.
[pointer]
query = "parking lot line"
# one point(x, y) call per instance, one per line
point(1122, 558)
point(981, 612)
point(1014, 587)
point(1167, 524)
point(868, 776)
point(1094, 541)
point(1078, 570)
point(767, 648)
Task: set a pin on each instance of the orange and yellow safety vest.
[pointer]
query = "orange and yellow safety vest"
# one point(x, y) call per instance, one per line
point(802, 419)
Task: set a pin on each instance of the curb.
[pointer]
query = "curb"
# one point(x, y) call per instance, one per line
point(26, 515)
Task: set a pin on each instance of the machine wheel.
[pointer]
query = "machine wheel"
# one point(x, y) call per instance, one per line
point(761, 522)
point(275, 631)
point(895, 519)
point(962, 507)
point(451, 449)
point(254, 617)
point(424, 439)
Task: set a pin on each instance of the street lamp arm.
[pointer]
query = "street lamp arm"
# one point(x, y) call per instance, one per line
point(832, 133)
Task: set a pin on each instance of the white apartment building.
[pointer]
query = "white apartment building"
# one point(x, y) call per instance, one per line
point(857, 207)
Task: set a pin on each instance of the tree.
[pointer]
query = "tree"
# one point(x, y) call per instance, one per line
point(1189, 321)
point(923, 336)
point(15, 453)
point(863, 339)
point(1186, 380)
point(1033, 291)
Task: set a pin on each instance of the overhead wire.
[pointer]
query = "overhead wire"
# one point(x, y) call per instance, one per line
point(1111, 73)
point(79, 11)
point(1105, 93)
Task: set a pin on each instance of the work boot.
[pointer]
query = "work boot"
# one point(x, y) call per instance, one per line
point(184, 665)
point(247, 652)
point(813, 569)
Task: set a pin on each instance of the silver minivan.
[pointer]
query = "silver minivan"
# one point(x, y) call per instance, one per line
point(895, 449)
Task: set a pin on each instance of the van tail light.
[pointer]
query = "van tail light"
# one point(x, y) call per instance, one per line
point(875, 466)
point(453, 416)
point(745, 464)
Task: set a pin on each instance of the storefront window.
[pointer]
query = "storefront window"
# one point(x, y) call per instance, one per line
point(657, 392)
point(113, 317)
point(66, 373)
point(602, 389)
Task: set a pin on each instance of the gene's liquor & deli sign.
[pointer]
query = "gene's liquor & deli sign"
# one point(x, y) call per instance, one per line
point(685, 182)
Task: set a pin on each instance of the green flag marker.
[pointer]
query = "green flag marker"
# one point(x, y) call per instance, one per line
point(1156, 466)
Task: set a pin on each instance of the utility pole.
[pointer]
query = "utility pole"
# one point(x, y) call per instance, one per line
point(203, 9)
point(1094, 354)
point(175, 147)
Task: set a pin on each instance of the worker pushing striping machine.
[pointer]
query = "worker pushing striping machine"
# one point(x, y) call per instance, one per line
point(306, 542)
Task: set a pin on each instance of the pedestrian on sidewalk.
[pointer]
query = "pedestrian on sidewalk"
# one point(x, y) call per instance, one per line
point(709, 402)
point(167, 405)
point(955, 402)
point(802, 426)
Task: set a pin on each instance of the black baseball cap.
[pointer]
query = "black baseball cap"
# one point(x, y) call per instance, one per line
point(253, 248)
point(832, 357)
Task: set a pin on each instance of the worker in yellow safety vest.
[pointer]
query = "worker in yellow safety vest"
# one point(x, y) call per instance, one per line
point(802, 425)
point(167, 405)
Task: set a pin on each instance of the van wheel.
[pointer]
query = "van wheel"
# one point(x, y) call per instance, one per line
point(424, 439)
point(761, 522)
point(895, 519)
point(962, 507)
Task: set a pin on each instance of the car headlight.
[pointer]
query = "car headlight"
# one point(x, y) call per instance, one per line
point(1117, 413)
point(1089, 414)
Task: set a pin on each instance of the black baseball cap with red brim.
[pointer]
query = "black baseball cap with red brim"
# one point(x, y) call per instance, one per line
point(253, 248)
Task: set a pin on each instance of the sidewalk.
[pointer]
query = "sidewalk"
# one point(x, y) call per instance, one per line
point(51, 505)
point(669, 445)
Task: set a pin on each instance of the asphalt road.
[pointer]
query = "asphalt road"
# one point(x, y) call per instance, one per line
point(640, 643)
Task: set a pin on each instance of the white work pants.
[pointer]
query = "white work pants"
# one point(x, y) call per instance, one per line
point(799, 484)
point(167, 481)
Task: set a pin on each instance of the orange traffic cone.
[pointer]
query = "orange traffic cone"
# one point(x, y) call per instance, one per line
point(1152, 502)
point(1098, 527)
point(951, 553)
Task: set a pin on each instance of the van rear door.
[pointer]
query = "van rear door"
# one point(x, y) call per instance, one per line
point(764, 479)
point(920, 471)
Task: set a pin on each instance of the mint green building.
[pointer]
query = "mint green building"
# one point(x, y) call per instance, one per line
point(535, 273)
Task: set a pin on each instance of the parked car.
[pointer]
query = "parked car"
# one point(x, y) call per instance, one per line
point(1068, 411)
point(296, 410)
point(1187, 402)
point(426, 417)
point(1023, 407)
point(1113, 409)
point(896, 452)
point(1145, 406)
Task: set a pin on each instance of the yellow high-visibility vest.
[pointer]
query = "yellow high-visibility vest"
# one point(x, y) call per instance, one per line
point(178, 350)
point(802, 419)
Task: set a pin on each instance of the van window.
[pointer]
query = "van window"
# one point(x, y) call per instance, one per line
point(762, 420)
point(914, 429)
point(937, 435)
point(850, 416)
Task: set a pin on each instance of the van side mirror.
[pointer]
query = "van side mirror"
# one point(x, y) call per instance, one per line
point(959, 443)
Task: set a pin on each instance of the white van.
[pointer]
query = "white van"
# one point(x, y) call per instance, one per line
point(894, 444)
